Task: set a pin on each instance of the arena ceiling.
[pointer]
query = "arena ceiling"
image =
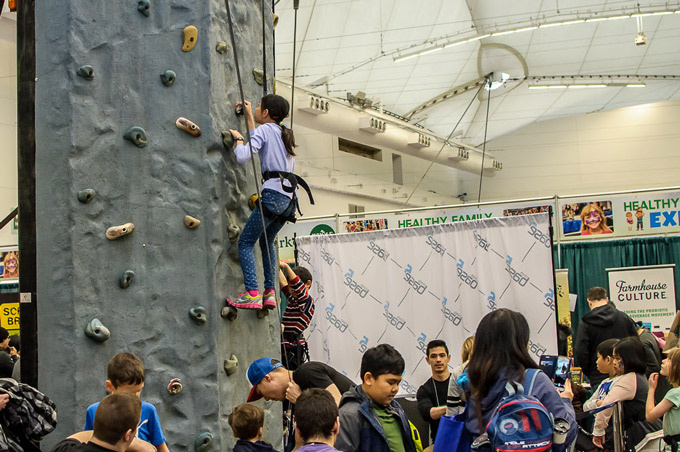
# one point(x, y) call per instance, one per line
point(407, 53)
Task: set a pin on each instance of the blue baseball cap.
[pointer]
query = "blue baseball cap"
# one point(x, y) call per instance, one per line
point(256, 372)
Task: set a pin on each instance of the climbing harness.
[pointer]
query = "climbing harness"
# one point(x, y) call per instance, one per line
point(293, 181)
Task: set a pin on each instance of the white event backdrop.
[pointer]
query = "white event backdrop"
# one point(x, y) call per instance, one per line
point(409, 286)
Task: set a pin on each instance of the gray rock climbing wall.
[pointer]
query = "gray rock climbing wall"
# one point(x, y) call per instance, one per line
point(82, 115)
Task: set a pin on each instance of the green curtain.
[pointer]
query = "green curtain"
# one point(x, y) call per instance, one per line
point(587, 262)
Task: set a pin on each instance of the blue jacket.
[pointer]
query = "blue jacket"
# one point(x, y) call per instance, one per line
point(360, 430)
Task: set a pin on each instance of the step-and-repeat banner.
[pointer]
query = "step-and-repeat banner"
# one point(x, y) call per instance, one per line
point(646, 294)
point(409, 286)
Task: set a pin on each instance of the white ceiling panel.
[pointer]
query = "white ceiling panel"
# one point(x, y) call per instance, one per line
point(354, 43)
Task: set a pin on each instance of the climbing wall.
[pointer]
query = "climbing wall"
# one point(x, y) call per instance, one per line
point(132, 98)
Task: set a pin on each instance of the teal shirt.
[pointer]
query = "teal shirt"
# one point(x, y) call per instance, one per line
point(390, 425)
point(671, 420)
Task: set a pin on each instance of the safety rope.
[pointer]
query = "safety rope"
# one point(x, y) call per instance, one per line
point(296, 5)
point(252, 159)
point(264, 54)
point(486, 127)
point(442, 148)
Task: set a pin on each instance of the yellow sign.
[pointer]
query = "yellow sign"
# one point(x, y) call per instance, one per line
point(9, 316)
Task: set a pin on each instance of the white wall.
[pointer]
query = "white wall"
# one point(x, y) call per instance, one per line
point(8, 125)
point(625, 149)
point(329, 203)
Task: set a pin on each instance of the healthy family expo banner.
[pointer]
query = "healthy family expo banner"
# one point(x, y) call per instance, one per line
point(409, 286)
point(647, 294)
point(621, 215)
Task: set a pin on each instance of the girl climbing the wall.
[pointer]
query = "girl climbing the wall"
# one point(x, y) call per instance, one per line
point(275, 144)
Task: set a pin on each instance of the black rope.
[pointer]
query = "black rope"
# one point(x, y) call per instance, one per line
point(264, 53)
point(486, 127)
point(443, 145)
point(296, 5)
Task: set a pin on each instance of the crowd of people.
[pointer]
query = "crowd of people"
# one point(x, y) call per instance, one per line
point(330, 412)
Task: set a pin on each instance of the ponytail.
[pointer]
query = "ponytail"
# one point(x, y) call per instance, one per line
point(288, 139)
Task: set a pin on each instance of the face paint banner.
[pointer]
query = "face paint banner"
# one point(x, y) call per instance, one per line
point(409, 286)
point(646, 294)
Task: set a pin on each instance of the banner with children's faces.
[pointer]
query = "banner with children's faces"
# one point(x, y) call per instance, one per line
point(409, 286)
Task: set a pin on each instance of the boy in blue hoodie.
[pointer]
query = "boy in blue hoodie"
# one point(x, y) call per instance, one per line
point(246, 422)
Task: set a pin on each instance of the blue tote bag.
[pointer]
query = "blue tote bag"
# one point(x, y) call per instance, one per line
point(452, 436)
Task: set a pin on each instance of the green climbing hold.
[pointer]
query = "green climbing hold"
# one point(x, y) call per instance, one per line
point(96, 331)
point(203, 442)
point(227, 140)
point(198, 315)
point(259, 75)
point(230, 365)
point(136, 135)
point(222, 47)
point(86, 195)
point(86, 72)
point(126, 279)
point(143, 7)
point(168, 77)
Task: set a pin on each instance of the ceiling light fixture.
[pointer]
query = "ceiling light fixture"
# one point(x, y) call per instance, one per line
point(547, 86)
point(636, 85)
point(456, 42)
point(597, 85)
point(495, 80)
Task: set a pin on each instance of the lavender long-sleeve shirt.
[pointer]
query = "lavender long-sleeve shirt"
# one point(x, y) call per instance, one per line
point(266, 141)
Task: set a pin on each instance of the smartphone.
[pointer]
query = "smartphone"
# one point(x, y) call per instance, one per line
point(576, 375)
point(547, 364)
point(562, 371)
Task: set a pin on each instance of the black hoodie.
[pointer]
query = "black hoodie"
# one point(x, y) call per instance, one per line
point(600, 324)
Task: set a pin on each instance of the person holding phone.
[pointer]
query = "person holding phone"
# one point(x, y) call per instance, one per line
point(500, 355)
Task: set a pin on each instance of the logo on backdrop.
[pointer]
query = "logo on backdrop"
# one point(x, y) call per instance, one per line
point(421, 342)
point(363, 344)
point(518, 277)
point(435, 245)
point(468, 279)
point(536, 348)
point(340, 324)
point(407, 387)
point(326, 256)
point(540, 236)
point(481, 242)
point(304, 256)
point(359, 289)
point(451, 316)
point(418, 286)
point(380, 252)
point(491, 301)
point(549, 299)
point(393, 320)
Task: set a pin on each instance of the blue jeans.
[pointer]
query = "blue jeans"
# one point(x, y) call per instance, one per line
point(279, 207)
